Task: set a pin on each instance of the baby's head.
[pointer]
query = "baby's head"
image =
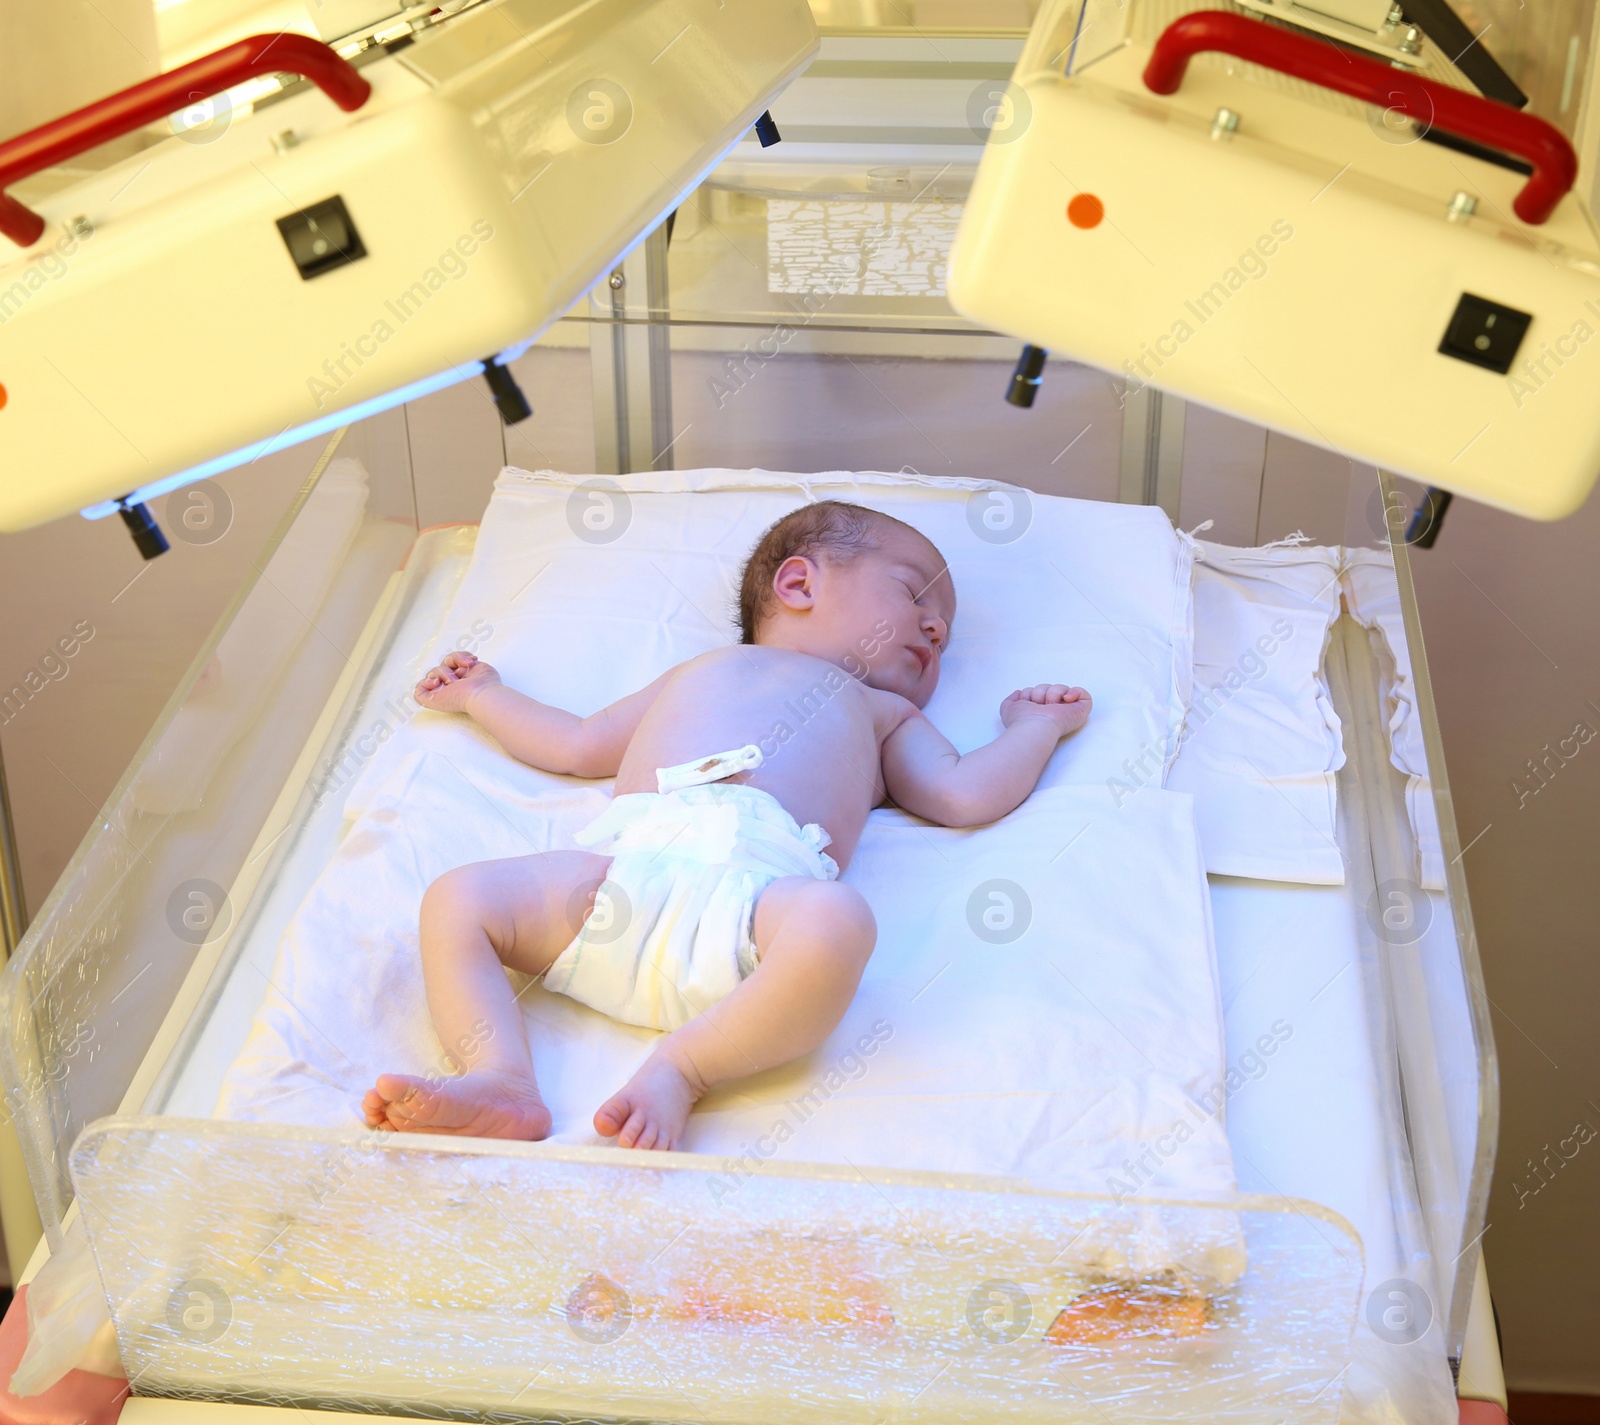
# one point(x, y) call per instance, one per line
point(856, 587)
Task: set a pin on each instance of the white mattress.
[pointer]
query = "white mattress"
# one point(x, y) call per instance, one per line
point(1308, 1124)
point(1051, 1050)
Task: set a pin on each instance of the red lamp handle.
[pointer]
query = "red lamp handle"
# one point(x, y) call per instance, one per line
point(1485, 121)
point(159, 96)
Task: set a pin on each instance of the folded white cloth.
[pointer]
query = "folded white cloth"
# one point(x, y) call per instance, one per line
point(1261, 745)
point(669, 934)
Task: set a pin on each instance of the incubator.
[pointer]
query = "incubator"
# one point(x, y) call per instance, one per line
point(175, 1065)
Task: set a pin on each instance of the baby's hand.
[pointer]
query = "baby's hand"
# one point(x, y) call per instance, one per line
point(452, 685)
point(1066, 708)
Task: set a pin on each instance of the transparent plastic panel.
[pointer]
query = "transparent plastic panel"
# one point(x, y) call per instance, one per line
point(1545, 49)
point(490, 1279)
point(1427, 1010)
point(1443, 1035)
point(83, 998)
point(860, 244)
point(924, 18)
point(894, 402)
point(571, 98)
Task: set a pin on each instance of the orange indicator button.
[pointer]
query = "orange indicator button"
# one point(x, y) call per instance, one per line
point(1085, 211)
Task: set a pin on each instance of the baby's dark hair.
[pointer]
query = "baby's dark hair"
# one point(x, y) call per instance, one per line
point(827, 530)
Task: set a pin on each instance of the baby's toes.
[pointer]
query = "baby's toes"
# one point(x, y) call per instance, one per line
point(378, 1112)
point(613, 1118)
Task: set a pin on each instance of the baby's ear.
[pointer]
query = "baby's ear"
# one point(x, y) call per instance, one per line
point(794, 583)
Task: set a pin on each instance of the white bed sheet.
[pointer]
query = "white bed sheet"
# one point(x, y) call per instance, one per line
point(1086, 1025)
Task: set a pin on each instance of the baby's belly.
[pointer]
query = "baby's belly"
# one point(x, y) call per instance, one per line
point(822, 769)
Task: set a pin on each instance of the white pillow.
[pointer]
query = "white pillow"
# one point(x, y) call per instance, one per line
point(1261, 743)
point(594, 586)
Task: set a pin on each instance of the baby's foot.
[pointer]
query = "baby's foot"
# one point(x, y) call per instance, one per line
point(651, 1109)
point(476, 1105)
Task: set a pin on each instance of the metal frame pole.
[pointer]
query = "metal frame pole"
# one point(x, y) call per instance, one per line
point(13, 909)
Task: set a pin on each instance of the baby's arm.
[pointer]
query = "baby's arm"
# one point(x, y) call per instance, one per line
point(533, 732)
point(927, 776)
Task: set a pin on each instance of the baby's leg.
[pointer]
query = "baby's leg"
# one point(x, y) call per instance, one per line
point(521, 912)
point(813, 939)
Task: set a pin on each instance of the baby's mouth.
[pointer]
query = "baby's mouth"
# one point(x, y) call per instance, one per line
point(924, 657)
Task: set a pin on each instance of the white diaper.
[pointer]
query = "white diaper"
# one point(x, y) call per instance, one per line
point(669, 934)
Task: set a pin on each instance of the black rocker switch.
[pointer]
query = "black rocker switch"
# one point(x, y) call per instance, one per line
point(1485, 333)
point(321, 238)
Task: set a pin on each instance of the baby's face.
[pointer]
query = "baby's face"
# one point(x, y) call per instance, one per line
point(891, 608)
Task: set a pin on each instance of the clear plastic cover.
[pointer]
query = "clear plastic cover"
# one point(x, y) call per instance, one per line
point(383, 1272)
point(83, 998)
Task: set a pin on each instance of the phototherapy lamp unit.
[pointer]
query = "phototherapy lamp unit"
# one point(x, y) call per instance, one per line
point(336, 228)
point(1334, 220)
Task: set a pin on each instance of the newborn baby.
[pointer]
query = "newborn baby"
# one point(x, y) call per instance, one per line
point(708, 901)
